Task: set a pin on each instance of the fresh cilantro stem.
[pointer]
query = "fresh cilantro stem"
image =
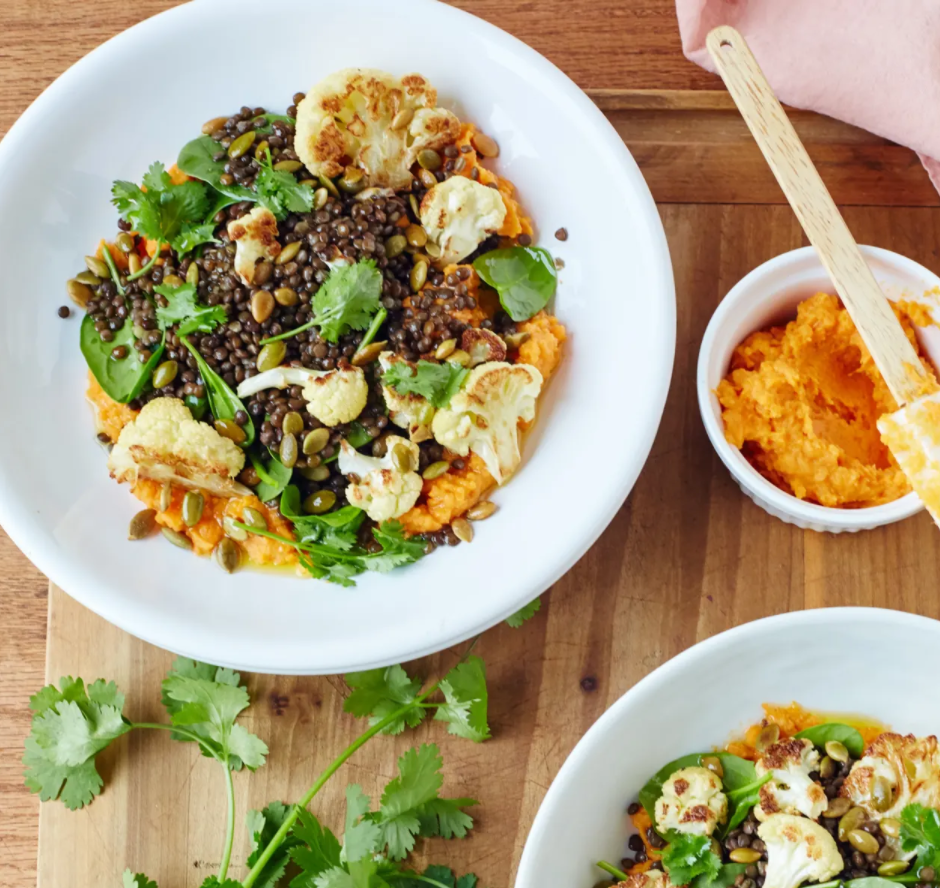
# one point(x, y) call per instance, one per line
point(109, 261)
point(289, 333)
point(313, 548)
point(149, 265)
point(189, 735)
point(278, 838)
point(373, 330)
point(230, 825)
point(608, 868)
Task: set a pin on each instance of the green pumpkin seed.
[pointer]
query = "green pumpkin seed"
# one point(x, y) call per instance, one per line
point(435, 470)
point(851, 820)
point(429, 159)
point(242, 144)
point(891, 827)
point(744, 855)
point(319, 502)
point(711, 762)
point(261, 150)
point(288, 253)
point(293, 423)
point(177, 539)
point(192, 274)
point(329, 185)
point(463, 530)
point(838, 807)
point(262, 304)
point(230, 528)
point(863, 841)
point(319, 473)
point(402, 458)
point(459, 357)
point(433, 250)
point(214, 125)
point(125, 242)
point(172, 280)
point(228, 555)
point(416, 235)
point(142, 524)
point(254, 519)
point(286, 296)
point(395, 245)
point(133, 263)
point(316, 441)
point(427, 179)
point(288, 166)
point(368, 354)
point(288, 451)
point(413, 203)
point(313, 462)
point(353, 180)
point(320, 197)
point(769, 734)
point(484, 145)
point(827, 768)
point(271, 355)
point(165, 374)
point(86, 277)
point(445, 349)
point(81, 294)
point(514, 340)
point(193, 504)
point(230, 429)
point(837, 751)
point(419, 275)
point(893, 868)
point(882, 794)
point(166, 496)
point(98, 267)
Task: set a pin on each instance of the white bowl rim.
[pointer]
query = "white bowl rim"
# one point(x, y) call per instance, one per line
point(761, 628)
point(743, 472)
point(179, 636)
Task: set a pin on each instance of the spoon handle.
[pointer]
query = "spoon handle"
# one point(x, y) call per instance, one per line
point(867, 305)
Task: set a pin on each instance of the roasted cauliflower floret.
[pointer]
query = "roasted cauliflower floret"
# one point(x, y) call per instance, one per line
point(255, 238)
point(692, 802)
point(459, 214)
point(165, 443)
point(484, 415)
point(387, 487)
point(798, 850)
point(790, 789)
point(895, 771)
point(371, 120)
point(649, 879)
point(332, 396)
point(408, 411)
point(483, 346)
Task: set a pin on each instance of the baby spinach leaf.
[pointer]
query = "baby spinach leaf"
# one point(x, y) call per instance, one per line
point(275, 477)
point(196, 160)
point(223, 402)
point(848, 736)
point(197, 406)
point(871, 882)
point(741, 800)
point(336, 529)
point(124, 379)
point(524, 277)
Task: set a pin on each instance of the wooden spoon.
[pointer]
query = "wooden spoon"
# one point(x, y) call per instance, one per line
point(913, 432)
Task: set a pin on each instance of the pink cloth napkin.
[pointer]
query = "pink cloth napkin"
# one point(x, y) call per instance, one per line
point(872, 63)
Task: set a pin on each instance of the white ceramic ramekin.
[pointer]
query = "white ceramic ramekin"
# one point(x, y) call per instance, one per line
point(769, 295)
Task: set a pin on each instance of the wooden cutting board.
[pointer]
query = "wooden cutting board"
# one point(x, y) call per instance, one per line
point(686, 557)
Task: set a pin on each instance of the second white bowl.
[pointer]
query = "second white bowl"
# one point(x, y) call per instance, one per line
point(767, 296)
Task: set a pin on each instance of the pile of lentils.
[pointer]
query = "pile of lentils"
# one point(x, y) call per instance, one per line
point(345, 223)
point(861, 841)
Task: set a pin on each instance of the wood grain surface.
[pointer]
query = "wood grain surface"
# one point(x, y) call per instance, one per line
point(686, 557)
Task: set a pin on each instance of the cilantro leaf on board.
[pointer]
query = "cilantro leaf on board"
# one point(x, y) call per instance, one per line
point(464, 689)
point(347, 299)
point(71, 725)
point(262, 826)
point(184, 308)
point(442, 874)
point(137, 880)
point(436, 382)
point(524, 613)
point(361, 836)
point(379, 692)
point(445, 818)
point(316, 850)
point(280, 191)
point(213, 882)
point(687, 857)
point(208, 708)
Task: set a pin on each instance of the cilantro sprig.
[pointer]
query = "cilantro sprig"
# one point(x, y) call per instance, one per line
point(183, 308)
point(280, 191)
point(72, 723)
point(438, 383)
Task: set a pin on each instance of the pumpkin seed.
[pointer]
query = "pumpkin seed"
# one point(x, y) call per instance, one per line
point(744, 855)
point(429, 159)
point(445, 349)
point(863, 841)
point(893, 868)
point(827, 768)
point(514, 340)
point(125, 242)
point(263, 272)
point(214, 125)
point(236, 533)
point(769, 735)
point(271, 355)
point(419, 275)
point(86, 277)
point(368, 354)
point(242, 144)
point(133, 263)
point(852, 819)
point(81, 294)
point(319, 473)
point(289, 252)
point(166, 496)
point(837, 808)
point(837, 751)
point(292, 424)
point(165, 374)
point(402, 458)
point(427, 179)
point(192, 274)
point(329, 185)
point(395, 245)
point(173, 280)
point(320, 197)
point(254, 519)
point(459, 357)
point(882, 794)
point(309, 183)
point(910, 768)
point(288, 451)
point(462, 529)
point(891, 827)
point(316, 441)
point(482, 511)
point(228, 555)
point(262, 304)
point(286, 296)
point(306, 471)
point(403, 118)
point(416, 235)
point(261, 150)
point(413, 202)
point(142, 524)
point(353, 180)
point(433, 250)
point(230, 429)
point(177, 539)
point(319, 502)
point(716, 847)
point(193, 504)
point(288, 166)
point(98, 267)
point(484, 145)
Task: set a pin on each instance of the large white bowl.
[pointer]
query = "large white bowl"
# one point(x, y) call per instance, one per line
point(701, 698)
point(139, 98)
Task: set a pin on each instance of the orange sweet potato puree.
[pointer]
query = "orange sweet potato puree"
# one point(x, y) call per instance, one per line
point(110, 416)
point(801, 402)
